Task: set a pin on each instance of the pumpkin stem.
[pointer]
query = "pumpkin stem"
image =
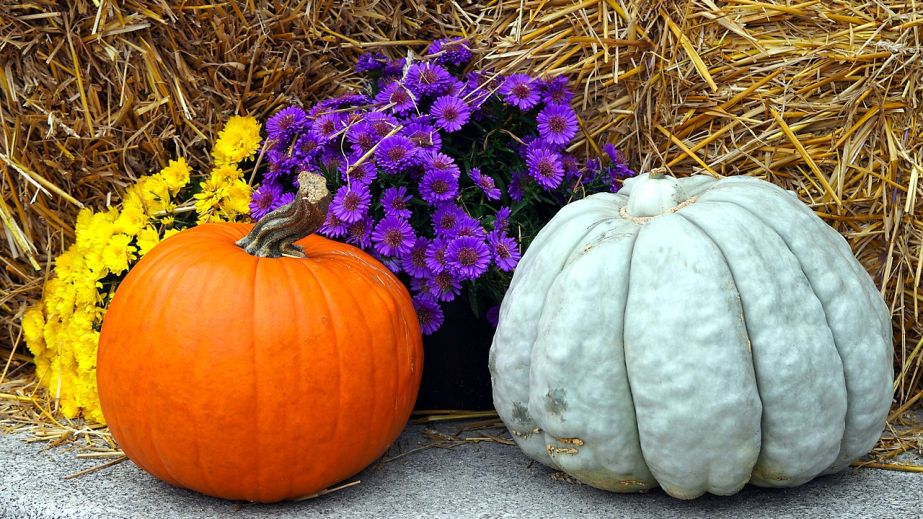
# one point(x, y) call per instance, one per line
point(275, 234)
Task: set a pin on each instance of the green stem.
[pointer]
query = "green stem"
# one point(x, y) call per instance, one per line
point(275, 234)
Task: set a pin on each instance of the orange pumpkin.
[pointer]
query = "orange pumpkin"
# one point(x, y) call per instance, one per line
point(258, 378)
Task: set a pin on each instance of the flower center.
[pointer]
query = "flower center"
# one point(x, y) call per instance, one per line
point(450, 113)
point(557, 124)
point(427, 76)
point(467, 257)
point(399, 97)
point(521, 91)
point(440, 187)
point(502, 250)
point(545, 169)
point(396, 153)
point(418, 257)
point(351, 201)
point(422, 139)
point(443, 281)
point(393, 238)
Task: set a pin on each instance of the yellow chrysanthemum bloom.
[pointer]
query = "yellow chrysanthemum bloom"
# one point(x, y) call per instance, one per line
point(147, 238)
point(176, 174)
point(238, 141)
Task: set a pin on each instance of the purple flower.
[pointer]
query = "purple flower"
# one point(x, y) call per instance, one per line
point(455, 88)
point(429, 313)
point(447, 218)
point(285, 123)
point(414, 261)
point(438, 185)
point(505, 251)
point(423, 135)
point(393, 69)
point(327, 125)
point(443, 286)
point(364, 173)
point(485, 183)
point(545, 167)
point(362, 136)
point(467, 257)
point(435, 255)
point(557, 124)
point(263, 199)
point(393, 236)
point(380, 123)
point(400, 99)
point(305, 147)
point(502, 219)
point(450, 112)
point(520, 90)
point(396, 153)
point(555, 91)
point(351, 203)
point(370, 62)
point(515, 188)
point(359, 233)
point(436, 161)
point(333, 227)
point(571, 166)
point(394, 201)
point(470, 227)
point(450, 51)
point(427, 79)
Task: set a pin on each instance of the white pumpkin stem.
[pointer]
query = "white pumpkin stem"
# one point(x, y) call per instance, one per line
point(275, 234)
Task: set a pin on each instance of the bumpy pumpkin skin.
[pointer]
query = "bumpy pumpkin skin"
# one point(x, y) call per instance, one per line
point(252, 378)
point(734, 338)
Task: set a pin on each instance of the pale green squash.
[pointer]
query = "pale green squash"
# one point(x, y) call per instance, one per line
point(698, 334)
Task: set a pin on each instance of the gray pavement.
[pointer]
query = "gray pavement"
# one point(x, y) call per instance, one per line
point(476, 480)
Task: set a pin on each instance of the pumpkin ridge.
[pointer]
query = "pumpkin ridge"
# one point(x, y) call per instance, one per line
point(297, 308)
point(254, 368)
point(850, 402)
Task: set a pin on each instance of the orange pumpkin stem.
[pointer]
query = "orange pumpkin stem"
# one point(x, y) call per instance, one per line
point(275, 234)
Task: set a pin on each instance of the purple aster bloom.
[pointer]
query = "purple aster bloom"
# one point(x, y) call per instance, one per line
point(493, 315)
point(571, 166)
point(555, 91)
point(485, 183)
point(393, 236)
point(396, 153)
point(351, 203)
point(557, 124)
point(427, 79)
point(263, 199)
point(305, 147)
point(333, 227)
point(436, 161)
point(455, 87)
point(429, 313)
point(520, 90)
point(414, 261)
point(361, 136)
point(438, 186)
point(393, 69)
point(364, 173)
point(394, 201)
point(447, 218)
point(343, 101)
point(400, 99)
point(443, 286)
point(450, 51)
point(450, 112)
point(502, 219)
point(435, 255)
point(545, 167)
point(470, 227)
point(359, 233)
point(505, 251)
point(327, 125)
point(380, 123)
point(285, 123)
point(423, 135)
point(467, 257)
point(515, 187)
point(330, 158)
point(370, 62)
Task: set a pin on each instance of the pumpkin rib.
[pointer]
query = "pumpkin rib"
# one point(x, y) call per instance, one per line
point(787, 457)
point(863, 434)
point(254, 289)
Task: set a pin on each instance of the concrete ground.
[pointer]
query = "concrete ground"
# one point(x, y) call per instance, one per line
point(471, 480)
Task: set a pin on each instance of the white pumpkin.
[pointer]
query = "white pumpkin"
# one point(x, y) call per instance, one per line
point(696, 333)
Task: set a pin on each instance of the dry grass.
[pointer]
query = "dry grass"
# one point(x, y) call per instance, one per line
point(822, 97)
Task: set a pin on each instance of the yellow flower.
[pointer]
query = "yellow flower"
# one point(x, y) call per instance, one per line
point(168, 233)
point(238, 141)
point(132, 218)
point(147, 238)
point(226, 173)
point(176, 174)
point(118, 253)
point(33, 323)
point(238, 197)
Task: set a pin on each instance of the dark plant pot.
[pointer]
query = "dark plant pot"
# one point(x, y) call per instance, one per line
point(455, 373)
